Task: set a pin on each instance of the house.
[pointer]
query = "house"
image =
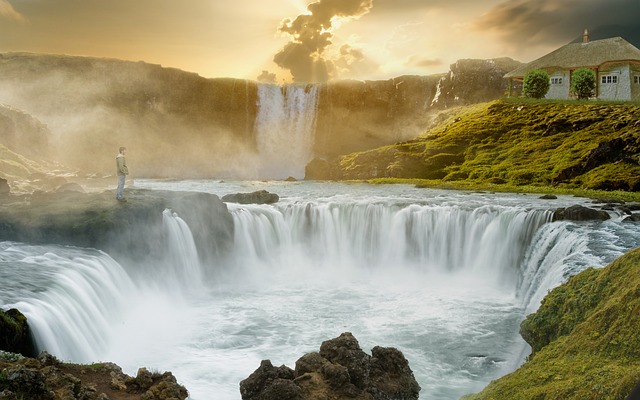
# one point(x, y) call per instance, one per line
point(615, 61)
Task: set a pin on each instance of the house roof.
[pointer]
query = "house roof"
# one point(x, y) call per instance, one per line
point(576, 55)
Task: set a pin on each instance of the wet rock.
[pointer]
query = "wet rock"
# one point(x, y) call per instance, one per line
point(4, 187)
point(548, 197)
point(70, 187)
point(258, 197)
point(15, 335)
point(580, 213)
point(341, 370)
point(632, 218)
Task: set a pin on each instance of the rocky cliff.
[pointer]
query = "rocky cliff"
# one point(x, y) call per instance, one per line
point(178, 124)
point(511, 142)
point(584, 338)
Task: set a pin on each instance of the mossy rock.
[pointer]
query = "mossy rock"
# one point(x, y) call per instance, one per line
point(15, 335)
point(584, 337)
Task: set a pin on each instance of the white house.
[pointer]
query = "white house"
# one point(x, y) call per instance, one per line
point(615, 61)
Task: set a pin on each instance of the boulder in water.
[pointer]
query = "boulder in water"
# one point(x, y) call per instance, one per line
point(340, 370)
point(580, 213)
point(259, 197)
point(15, 336)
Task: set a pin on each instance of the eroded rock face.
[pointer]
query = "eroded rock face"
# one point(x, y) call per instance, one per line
point(4, 187)
point(15, 335)
point(580, 213)
point(258, 197)
point(45, 378)
point(340, 370)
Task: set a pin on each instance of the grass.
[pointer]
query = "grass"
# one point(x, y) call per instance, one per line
point(584, 337)
point(518, 143)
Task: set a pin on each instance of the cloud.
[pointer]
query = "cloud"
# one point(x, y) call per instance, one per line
point(351, 62)
point(7, 11)
point(550, 22)
point(267, 77)
point(311, 34)
point(422, 62)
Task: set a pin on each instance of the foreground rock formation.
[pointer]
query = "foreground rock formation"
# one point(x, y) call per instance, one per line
point(46, 378)
point(341, 370)
point(584, 339)
point(15, 335)
point(132, 229)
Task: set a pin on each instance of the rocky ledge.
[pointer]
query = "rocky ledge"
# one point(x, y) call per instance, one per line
point(341, 370)
point(46, 378)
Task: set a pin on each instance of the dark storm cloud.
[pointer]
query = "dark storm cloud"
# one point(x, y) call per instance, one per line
point(311, 34)
point(527, 22)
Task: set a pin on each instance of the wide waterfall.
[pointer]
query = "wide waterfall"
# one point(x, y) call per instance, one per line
point(285, 129)
point(446, 277)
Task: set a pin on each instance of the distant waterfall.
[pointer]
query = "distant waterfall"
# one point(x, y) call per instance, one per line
point(285, 129)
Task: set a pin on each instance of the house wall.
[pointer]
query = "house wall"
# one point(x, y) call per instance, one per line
point(635, 82)
point(558, 90)
point(615, 91)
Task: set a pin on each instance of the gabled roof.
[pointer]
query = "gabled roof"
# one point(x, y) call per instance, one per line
point(576, 55)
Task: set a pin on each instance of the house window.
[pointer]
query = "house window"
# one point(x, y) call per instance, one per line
point(636, 79)
point(556, 81)
point(609, 79)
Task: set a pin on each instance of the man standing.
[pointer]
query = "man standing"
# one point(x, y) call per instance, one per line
point(123, 171)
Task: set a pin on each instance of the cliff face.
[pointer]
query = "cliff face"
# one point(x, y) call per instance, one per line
point(179, 124)
point(584, 338)
point(589, 146)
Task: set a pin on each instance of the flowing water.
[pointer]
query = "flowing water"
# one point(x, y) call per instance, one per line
point(444, 276)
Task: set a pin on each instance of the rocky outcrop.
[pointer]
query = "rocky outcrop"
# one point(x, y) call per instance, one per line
point(22, 133)
point(580, 213)
point(584, 339)
point(257, 197)
point(340, 370)
point(46, 378)
point(97, 220)
point(4, 187)
point(15, 335)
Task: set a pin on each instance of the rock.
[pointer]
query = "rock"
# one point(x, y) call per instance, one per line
point(341, 370)
point(4, 187)
point(70, 187)
point(258, 197)
point(15, 335)
point(45, 378)
point(548, 197)
point(632, 218)
point(291, 179)
point(579, 213)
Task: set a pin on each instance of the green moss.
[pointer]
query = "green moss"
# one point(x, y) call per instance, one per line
point(585, 338)
point(587, 145)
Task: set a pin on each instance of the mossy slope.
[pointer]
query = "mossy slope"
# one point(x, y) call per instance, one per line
point(588, 145)
point(585, 339)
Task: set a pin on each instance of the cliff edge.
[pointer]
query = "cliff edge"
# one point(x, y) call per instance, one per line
point(584, 339)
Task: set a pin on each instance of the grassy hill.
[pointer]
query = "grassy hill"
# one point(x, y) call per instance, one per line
point(512, 143)
point(584, 338)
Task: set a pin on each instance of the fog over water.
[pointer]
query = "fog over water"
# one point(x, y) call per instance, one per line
point(446, 277)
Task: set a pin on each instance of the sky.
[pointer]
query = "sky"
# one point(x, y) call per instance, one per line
point(309, 40)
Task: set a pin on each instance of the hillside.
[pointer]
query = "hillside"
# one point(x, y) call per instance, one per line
point(584, 337)
point(181, 125)
point(587, 145)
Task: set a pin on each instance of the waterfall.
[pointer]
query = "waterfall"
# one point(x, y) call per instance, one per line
point(490, 242)
point(284, 129)
point(92, 306)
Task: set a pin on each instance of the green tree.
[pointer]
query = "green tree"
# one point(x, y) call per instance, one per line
point(536, 84)
point(583, 83)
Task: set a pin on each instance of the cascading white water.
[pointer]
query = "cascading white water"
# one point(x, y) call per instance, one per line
point(284, 129)
point(444, 277)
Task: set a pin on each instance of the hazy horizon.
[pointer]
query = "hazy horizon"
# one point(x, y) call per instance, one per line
point(307, 40)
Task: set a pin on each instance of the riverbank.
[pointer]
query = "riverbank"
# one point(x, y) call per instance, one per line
point(511, 145)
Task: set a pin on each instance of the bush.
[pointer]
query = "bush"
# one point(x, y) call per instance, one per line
point(583, 83)
point(536, 84)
